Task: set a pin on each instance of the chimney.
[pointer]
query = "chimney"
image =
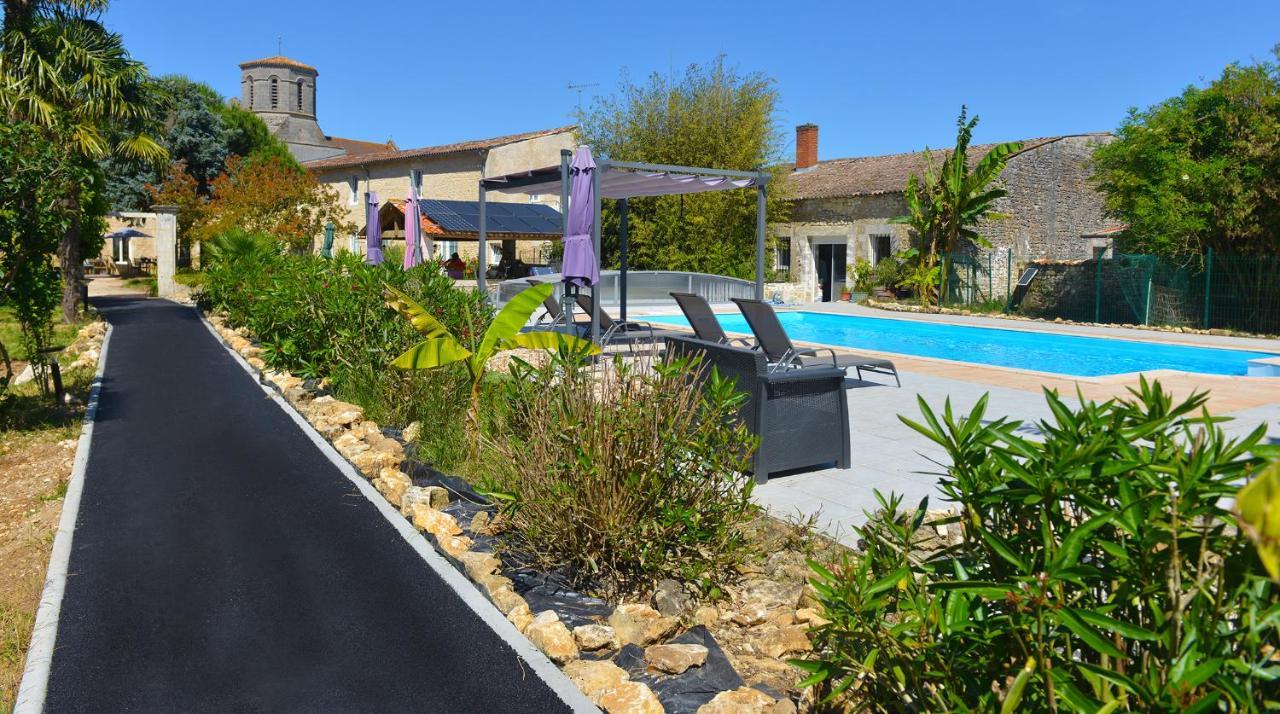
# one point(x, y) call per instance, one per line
point(806, 146)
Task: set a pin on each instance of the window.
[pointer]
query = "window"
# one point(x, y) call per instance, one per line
point(535, 197)
point(250, 80)
point(782, 255)
point(881, 248)
point(275, 93)
point(299, 95)
point(353, 183)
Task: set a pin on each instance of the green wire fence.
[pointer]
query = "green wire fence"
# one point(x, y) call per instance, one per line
point(1228, 292)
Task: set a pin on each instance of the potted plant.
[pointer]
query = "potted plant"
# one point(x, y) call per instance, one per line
point(861, 276)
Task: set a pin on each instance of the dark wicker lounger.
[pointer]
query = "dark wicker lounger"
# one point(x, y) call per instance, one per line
point(780, 351)
point(703, 320)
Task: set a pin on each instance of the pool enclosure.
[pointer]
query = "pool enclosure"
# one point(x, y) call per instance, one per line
point(622, 181)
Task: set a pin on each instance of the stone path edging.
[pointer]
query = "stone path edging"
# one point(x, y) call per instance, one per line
point(35, 674)
point(486, 610)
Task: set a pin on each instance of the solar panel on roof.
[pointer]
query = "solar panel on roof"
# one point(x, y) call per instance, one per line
point(464, 216)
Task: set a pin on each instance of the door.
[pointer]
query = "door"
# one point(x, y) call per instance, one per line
point(829, 263)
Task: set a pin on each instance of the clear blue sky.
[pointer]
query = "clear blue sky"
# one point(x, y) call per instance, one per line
point(878, 77)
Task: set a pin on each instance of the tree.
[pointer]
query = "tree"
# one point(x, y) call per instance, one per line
point(201, 131)
point(63, 71)
point(1200, 170)
point(947, 203)
point(712, 117)
point(35, 173)
point(266, 194)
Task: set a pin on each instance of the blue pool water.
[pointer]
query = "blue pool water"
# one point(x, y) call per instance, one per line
point(1039, 351)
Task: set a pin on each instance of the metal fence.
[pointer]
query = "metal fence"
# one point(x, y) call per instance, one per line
point(1231, 292)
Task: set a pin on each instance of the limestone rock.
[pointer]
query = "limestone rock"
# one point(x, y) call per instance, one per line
point(256, 363)
point(476, 564)
point(595, 637)
point(455, 545)
point(520, 616)
point(772, 594)
point(811, 616)
point(349, 445)
point(438, 524)
point(706, 616)
point(549, 634)
point(640, 624)
point(743, 700)
point(386, 445)
point(670, 598)
point(432, 496)
point(675, 659)
point(506, 600)
point(371, 462)
point(782, 641)
point(392, 483)
point(595, 677)
point(750, 614)
point(630, 698)
point(479, 522)
point(411, 433)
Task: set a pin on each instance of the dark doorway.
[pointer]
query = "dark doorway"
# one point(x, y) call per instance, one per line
point(829, 259)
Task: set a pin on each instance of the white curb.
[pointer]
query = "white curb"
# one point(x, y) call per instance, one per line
point(524, 649)
point(35, 674)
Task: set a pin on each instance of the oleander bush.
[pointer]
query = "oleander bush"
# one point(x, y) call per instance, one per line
point(1099, 569)
point(624, 474)
point(327, 317)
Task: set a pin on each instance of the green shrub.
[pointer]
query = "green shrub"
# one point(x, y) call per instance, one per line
point(1099, 568)
point(626, 475)
point(326, 317)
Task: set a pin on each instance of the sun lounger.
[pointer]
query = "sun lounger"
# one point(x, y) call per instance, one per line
point(629, 333)
point(553, 316)
point(703, 320)
point(782, 354)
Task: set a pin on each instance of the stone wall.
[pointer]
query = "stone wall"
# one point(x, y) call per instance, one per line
point(851, 220)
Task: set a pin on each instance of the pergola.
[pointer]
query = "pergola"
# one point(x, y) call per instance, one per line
point(621, 181)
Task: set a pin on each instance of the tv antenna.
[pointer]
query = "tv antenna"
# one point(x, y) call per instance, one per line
point(579, 88)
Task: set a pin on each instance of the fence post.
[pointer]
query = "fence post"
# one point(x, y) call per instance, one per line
point(990, 282)
point(1097, 291)
point(1208, 282)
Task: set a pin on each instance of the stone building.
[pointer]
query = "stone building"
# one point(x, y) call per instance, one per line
point(283, 92)
point(841, 209)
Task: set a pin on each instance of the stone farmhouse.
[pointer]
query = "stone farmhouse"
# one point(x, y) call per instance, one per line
point(283, 92)
point(841, 208)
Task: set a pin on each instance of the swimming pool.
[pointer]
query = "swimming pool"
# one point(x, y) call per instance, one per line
point(1040, 351)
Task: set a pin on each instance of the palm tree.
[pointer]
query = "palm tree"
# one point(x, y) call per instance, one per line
point(61, 69)
point(945, 206)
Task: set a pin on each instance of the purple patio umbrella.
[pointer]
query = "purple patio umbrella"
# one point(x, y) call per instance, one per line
point(373, 232)
point(412, 229)
point(580, 267)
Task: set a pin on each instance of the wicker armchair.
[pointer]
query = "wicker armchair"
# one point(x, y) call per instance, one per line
point(800, 415)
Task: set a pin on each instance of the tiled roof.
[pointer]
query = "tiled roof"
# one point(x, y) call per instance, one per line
point(277, 61)
point(355, 147)
point(459, 147)
point(876, 175)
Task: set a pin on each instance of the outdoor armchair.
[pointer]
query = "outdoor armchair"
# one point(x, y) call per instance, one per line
point(783, 354)
point(800, 415)
point(703, 320)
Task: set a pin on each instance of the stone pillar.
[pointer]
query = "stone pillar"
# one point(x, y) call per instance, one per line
point(166, 250)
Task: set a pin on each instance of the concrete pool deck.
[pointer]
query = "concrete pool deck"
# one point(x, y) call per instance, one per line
point(889, 456)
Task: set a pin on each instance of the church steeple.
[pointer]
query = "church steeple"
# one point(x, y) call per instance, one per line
point(282, 91)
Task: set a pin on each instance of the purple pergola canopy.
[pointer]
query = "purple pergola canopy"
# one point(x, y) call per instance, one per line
point(623, 180)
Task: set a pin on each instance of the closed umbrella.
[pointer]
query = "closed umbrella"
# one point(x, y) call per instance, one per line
point(412, 229)
point(579, 262)
point(327, 249)
point(373, 232)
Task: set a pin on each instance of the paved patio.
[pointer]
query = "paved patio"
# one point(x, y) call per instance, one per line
point(889, 456)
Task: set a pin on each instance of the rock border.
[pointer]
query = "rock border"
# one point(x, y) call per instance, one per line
point(581, 651)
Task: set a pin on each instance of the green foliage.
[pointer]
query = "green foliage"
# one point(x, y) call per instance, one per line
point(200, 132)
point(441, 348)
point(1098, 568)
point(321, 317)
point(1200, 170)
point(237, 246)
point(863, 275)
point(36, 175)
point(625, 475)
point(1258, 506)
point(712, 117)
point(945, 206)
